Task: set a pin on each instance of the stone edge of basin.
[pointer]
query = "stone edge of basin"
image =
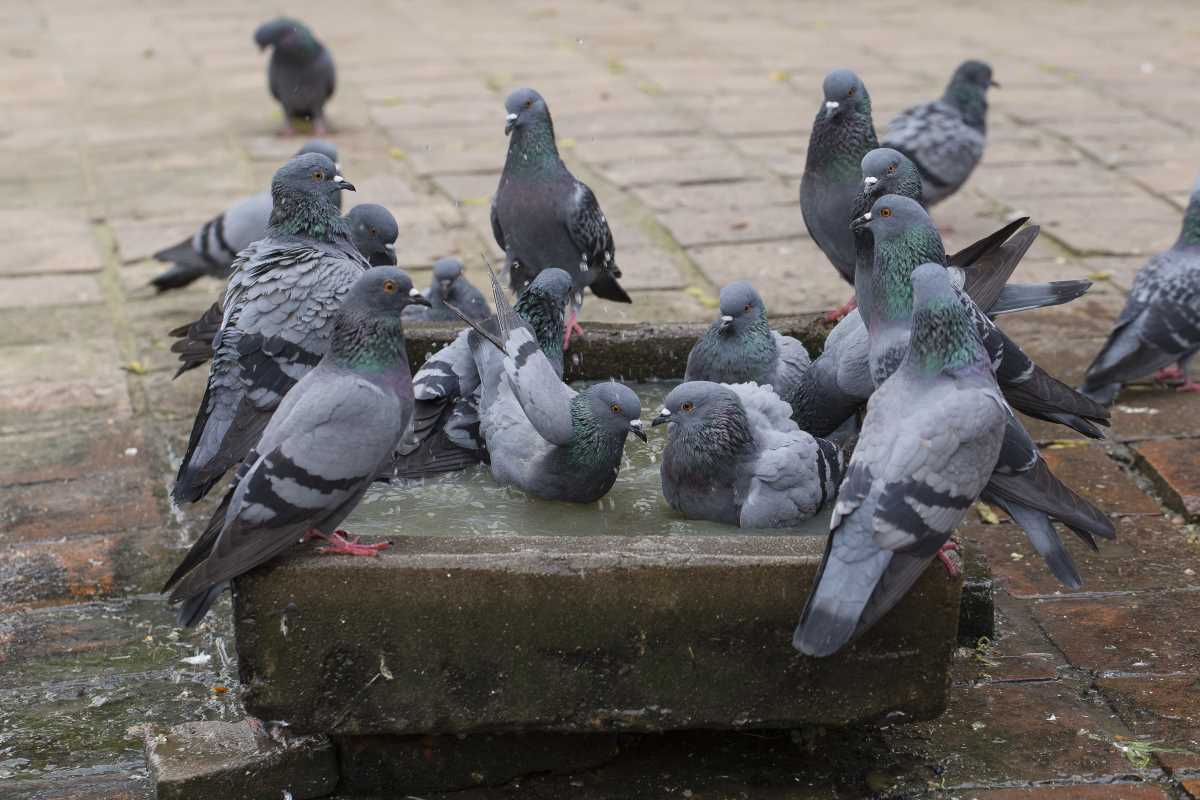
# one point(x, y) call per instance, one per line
point(457, 635)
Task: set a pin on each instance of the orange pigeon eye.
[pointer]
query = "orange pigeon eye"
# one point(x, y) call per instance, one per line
point(616, 409)
point(687, 407)
point(389, 287)
point(318, 175)
point(892, 169)
point(885, 212)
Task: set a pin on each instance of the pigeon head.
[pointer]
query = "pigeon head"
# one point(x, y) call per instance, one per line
point(524, 107)
point(445, 272)
point(844, 91)
point(327, 149)
point(741, 308)
point(306, 194)
point(367, 332)
point(975, 73)
point(943, 334)
point(374, 231)
point(383, 291)
point(893, 217)
point(614, 410)
point(888, 171)
point(708, 414)
point(287, 36)
point(552, 283)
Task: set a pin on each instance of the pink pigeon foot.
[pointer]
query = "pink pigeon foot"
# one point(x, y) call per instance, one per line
point(319, 128)
point(572, 327)
point(951, 568)
point(1188, 386)
point(341, 544)
point(1168, 375)
point(838, 313)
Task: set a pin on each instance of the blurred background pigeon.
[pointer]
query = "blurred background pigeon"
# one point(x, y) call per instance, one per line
point(300, 73)
point(374, 231)
point(450, 285)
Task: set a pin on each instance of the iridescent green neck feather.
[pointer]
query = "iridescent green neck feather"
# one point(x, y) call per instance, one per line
point(532, 147)
point(838, 144)
point(545, 316)
point(971, 101)
point(301, 214)
point(1190, 235)
point(365, 343)
point(944, 338)
point(895, 259)
point(592, 446)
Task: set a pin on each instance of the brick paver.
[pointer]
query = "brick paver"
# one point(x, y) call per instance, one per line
point(129, 123)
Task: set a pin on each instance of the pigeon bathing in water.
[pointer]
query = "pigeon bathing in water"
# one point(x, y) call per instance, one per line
point(1160, 324)
point(300, 74)
point(276, 318)
point(734, 455)
point(212, 249)
point(542, 436)
point(945, 138)
point(451, 286)
point(543, 217)
point(740, 346)
point(374, 231)
point(929, 443)
point(842, 134)
point(319, 453)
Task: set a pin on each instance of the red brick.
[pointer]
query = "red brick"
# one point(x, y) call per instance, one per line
point(1160, 709)
point(1109, 791)
point(1175, 466)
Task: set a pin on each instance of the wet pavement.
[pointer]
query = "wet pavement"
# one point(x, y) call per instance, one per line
point(131, 123)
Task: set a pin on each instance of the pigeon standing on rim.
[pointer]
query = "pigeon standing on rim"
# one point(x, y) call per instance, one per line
point(212, 249)
point(842, 134)
point(542, 216)
point(733, 455)
point(451, 286)
point(1160, 324)
point(374, 231)
point(300, 74)
point(277, 317)
point(929, 443)
point(320, 452)
point(740, 346)
point(945, 138)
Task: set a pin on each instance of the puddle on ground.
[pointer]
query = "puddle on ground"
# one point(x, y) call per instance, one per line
point(471, 503)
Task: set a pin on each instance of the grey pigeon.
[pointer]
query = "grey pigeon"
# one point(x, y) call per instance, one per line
point(945, 138)
point(842, 134)
point(449, 285)
point(929, 443)
point(319, 453)
point(1160, 324)
point(374, 231)
point(212, 249)
point(300, 74)
point(543, 217)
point(740, 346)
point(445, 435)
point(733, 455)
point(276, 318)
point(542, 436)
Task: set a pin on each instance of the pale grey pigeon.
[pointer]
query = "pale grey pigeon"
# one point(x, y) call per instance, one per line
point(733, 455)
point(449, 285)
point(740, 346)
point(542, 436)
point(320, 451)
point(300, 74)
point(542, 216)
point(277, 316)
point(929, 444)
point(212, 249)
point(1160, 324)
point(945, 138)
point(374, 231)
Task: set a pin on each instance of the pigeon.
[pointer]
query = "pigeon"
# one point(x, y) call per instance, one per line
point(841, 135)
point(212, 249)
point(542, 216)
point(445, 434)
point(542, 436)
point(276, 318)
point(374, 231)
point(740, 346)
point(930, 440)
point(300, 74)
point(320, 451)
point(945, 138)
point(733, 455)
point(1160, 324)
point(451, 286)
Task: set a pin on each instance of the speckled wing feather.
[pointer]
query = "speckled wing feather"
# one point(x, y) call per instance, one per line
point(942, 145)
point(589, 232)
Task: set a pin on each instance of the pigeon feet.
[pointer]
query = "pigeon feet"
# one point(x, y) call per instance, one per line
point(1168, 375)
point(341, 544)
point(572, 327)
point(836, 314)
point(951, 568)
point(1188, 386)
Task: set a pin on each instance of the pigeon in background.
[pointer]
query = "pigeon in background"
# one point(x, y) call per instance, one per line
point(300, 74)
point(740, 346)
point(542, 436)
point(945, 138)
point(212, 249)
point(543, 217)
point(929, 443)
point(451, 286)
point(733, 455)
point(319, 453)
point(374, 231)
point(842, 134)
point(276, 321)
point(1160, 324)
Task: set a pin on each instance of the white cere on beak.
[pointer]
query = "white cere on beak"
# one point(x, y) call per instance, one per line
point(870, 180)
point(726, 318)
point(390, 247)
point(664, 412)
point(636, 424)
point(413, 292)
point(866, 217)
point(510, 117)
point(832, 104)
point(338, 179)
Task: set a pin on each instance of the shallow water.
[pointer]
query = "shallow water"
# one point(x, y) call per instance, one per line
point(471, 503)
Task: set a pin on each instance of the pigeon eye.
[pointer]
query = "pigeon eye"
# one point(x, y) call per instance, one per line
point(686, 407)
point(850, 93)
point(616, 409)
point(318, 175)
point(528, 104)
point(372, 231)
point(885, 212)
point(892, 169)
point(389, 287)
point(748, 307)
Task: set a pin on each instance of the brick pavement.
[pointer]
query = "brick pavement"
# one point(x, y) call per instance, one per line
point(128, 123)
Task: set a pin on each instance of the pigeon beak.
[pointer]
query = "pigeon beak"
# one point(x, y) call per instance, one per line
point(869, 182)
point(993, 84)
point(635, 426)
point(343, 184)
point(664, 415)
point(510, 122)
point(858, 223)
point(417, 298)
point(831, 108)
point(726, 321)
point(445, 286)
point(390, 247)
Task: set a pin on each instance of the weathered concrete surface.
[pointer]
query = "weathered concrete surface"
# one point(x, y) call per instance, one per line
point(462, 635)
point(234, 761)
point(1175, 466)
